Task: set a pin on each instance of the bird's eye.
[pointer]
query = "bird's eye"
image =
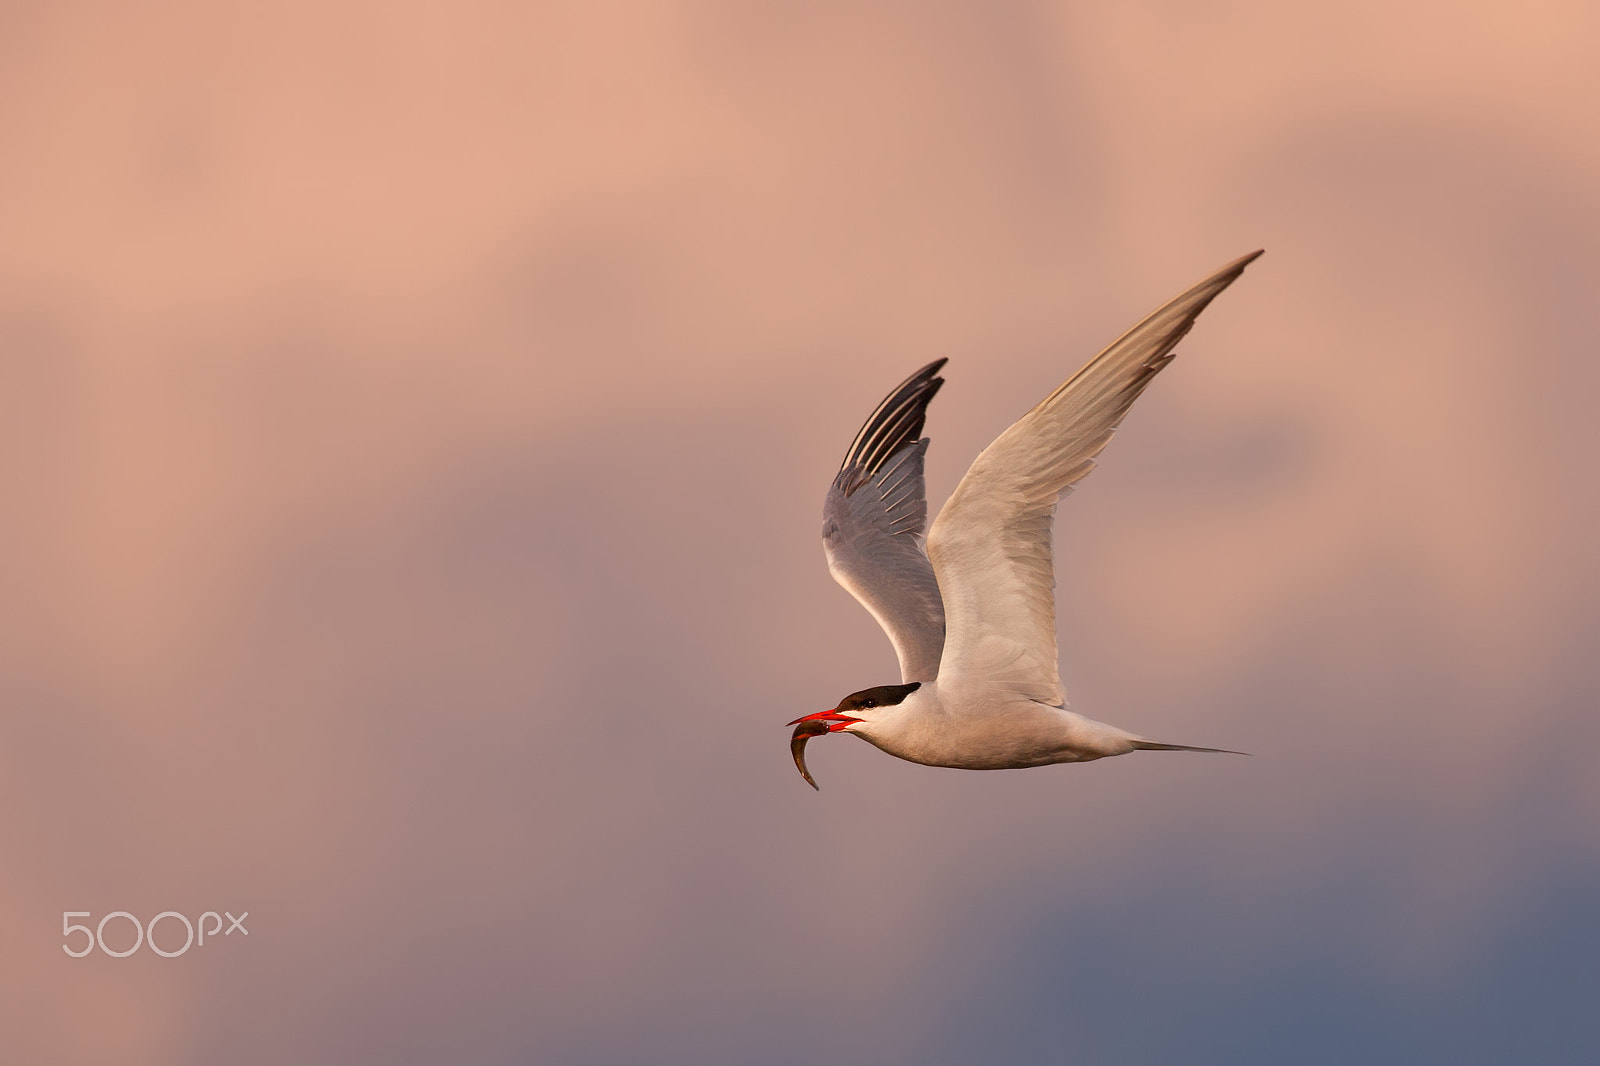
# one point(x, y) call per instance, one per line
point(869, 703)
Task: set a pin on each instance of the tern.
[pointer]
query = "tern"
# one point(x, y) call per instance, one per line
point(970, 608)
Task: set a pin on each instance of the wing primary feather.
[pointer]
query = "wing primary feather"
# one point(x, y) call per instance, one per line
point(905, 426)
point(901, 394)
point(888, 438)
point(896, 421)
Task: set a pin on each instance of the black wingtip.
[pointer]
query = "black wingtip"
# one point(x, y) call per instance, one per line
point(895, 422)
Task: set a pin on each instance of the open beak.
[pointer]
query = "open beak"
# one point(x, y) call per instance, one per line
point(814, 725)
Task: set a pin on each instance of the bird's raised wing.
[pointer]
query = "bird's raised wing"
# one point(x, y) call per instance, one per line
point(873, 521)
point(991, 544)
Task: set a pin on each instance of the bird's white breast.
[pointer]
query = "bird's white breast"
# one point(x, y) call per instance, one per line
point(987, 731)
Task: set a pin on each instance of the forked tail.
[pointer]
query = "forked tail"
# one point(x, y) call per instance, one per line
point(1150, 745)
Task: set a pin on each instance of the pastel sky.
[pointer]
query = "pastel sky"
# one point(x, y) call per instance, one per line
point(414, 422)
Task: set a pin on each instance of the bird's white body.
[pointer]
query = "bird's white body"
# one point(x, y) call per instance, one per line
point(970, 609)
point(985, 730)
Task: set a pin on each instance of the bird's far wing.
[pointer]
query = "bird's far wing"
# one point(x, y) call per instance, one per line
point(873, 522)
point(991, 544)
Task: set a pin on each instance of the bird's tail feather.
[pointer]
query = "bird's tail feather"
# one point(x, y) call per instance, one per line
point(1150, 745)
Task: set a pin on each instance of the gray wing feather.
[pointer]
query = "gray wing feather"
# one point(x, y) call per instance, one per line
point(873, 522)
point(991, 544)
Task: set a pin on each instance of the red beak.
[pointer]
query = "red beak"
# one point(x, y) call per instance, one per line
point(836, 720)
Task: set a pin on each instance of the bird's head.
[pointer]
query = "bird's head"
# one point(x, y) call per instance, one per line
point(855, 708)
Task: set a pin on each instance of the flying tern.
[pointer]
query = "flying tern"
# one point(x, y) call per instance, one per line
point(970, 609)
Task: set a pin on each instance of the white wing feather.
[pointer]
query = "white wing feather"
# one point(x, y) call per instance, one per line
point(991, 544)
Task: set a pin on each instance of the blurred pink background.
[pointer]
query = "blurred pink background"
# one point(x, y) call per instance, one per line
point(415, 422)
